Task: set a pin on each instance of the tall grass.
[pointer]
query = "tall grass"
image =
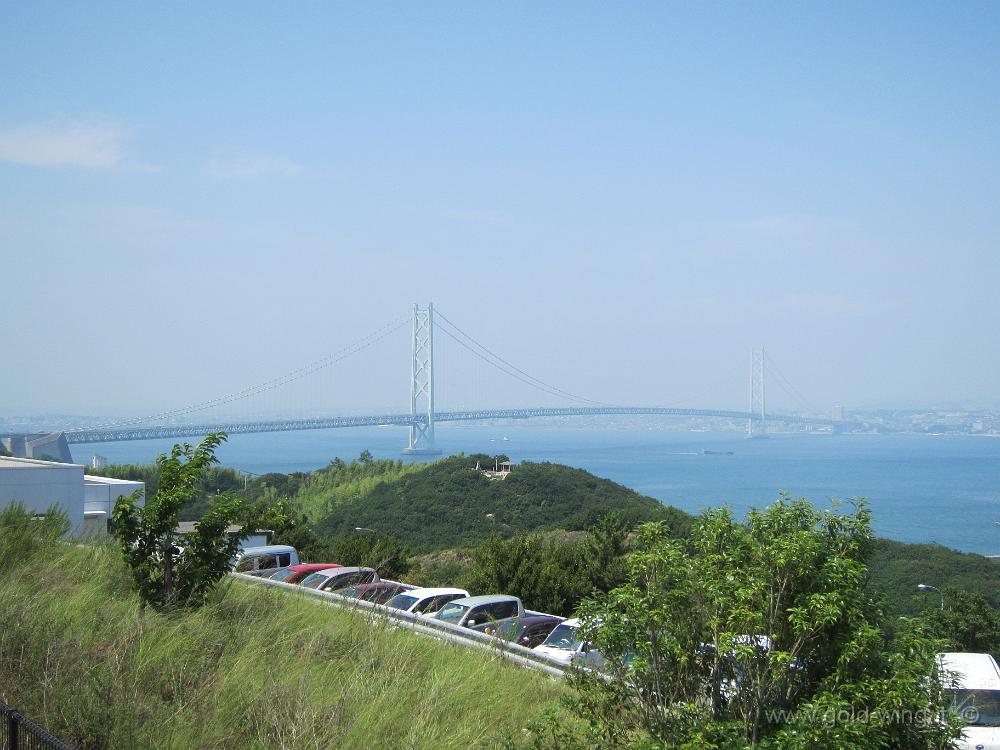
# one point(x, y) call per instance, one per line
point(254, 668)
point(321, 493)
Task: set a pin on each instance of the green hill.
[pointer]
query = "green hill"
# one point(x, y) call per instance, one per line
point(451, 504)
point(896, 568)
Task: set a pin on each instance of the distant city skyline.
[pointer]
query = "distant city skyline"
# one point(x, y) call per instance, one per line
point(622, 200)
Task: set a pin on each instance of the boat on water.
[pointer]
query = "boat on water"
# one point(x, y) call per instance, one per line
point(716, 453)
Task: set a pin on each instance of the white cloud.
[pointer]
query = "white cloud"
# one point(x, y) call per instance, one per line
point(93, 144)
point(244, 166)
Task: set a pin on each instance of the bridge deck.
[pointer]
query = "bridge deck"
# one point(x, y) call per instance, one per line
point(113, 434)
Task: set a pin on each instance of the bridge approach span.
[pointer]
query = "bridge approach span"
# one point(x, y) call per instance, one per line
point(115, 435)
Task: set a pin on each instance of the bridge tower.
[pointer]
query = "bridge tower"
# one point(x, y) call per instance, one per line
point(757, 423)
point(422, 383)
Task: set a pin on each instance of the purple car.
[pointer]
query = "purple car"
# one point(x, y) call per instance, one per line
point(526, 631)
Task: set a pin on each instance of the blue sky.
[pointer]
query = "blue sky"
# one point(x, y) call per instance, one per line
point(622, 198)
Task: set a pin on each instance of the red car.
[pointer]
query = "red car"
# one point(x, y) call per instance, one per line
point(295, 573)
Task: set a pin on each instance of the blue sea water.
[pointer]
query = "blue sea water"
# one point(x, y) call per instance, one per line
point(922, 488)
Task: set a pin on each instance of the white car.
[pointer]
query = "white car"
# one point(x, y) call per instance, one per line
point(973, 682)
point(564, 645)
point(425, 602)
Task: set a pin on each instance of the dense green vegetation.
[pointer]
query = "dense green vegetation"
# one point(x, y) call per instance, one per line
point(967, 621)
point(382, 552)
point(339, 483)
point(450, 503)
point(897, 568)
point(757, 634)
point(252, 668)
point(550, 572)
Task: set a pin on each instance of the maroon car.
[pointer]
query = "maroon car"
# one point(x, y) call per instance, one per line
point(295, 573)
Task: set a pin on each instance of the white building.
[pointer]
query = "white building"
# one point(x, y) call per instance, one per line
point(41, 485)
point(99, 497)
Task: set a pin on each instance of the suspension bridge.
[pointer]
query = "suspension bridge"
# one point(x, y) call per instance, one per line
point(422, 416)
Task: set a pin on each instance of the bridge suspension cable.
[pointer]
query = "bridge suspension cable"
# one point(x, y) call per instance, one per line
point(501, 364)
point(269, 385)
point(786, 384)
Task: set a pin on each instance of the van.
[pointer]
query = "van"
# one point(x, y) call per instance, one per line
point(254, 560)
point(972, 681)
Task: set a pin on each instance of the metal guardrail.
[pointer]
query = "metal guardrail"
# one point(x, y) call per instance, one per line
point(446, 631)
point(20, 733)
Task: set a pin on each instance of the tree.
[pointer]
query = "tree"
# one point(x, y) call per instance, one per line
point(299, 533)
point(757, 635)
point(164, 573)
point(968, 622)
point(382, 552)
point(549, 572)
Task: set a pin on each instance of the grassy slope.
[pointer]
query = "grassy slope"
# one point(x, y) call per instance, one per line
point(449, 503)
point(254, 669)
point(322, 491)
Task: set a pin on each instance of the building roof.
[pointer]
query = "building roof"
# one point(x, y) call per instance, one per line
point(8, 462)
point(90, 479)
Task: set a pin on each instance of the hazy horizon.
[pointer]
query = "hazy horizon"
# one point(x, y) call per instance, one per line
point(620, 200)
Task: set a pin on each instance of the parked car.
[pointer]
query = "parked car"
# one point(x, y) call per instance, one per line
point(564, 644)
point(332, 579)
point(477, 610)
point(528, 631)
point(973, 683)
point(425, 602)
point(295, 573)
point(377, 592)
point(257, 560)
